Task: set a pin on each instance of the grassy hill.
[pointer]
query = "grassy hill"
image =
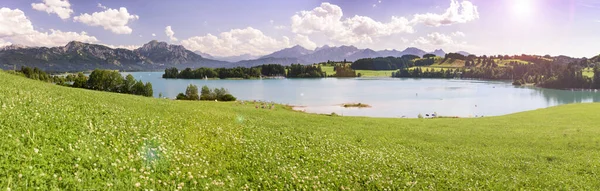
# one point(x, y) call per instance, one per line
point(59, 137)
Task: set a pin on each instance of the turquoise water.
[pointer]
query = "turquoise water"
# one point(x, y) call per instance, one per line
point(388, 97)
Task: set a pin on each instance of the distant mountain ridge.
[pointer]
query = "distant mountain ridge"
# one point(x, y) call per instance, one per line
point(155, 55)
point(348, 53)
point(79, 56)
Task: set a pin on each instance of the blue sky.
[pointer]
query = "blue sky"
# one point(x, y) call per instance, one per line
point(229, 28)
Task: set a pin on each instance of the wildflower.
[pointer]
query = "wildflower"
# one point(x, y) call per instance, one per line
point(137, 184)
point(36, 150)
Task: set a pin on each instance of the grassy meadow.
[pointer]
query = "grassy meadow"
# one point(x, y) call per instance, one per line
point(589, 72)
point(74, 139)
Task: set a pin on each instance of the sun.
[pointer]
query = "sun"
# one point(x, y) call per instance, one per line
point(522, 7)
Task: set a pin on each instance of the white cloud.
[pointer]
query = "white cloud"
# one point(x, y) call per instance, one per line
point(54, 38)
point(111, 19)
point(271, 21)
point(239, 41)
point(14, 22)
point(458, 34)
point(101, 6)
point(153, 34)
point(62, 8)
point(374, 5)
point(280, 27)
point(140, 36)
point(435, 39)
point(327, 20)
point(4, 43)
point(305, 42)
point(169, 32)
point(17, 29)
point(457, 13)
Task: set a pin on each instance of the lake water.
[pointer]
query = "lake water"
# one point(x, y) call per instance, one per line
point(389, 97)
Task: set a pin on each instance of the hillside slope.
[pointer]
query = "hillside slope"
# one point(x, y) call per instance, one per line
point(59, 137)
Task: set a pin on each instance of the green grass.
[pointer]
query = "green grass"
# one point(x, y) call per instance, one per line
point(375, 73)
point(449, 63)
point(589, 72)
point(364, 73)
point(328, 69)
point(73, 139)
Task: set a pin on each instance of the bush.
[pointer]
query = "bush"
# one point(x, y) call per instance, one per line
point(227, 97)
point(517, 82)
point(181, 96)
point(420, 116)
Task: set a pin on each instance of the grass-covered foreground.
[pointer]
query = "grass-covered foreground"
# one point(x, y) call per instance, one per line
point(64, 138)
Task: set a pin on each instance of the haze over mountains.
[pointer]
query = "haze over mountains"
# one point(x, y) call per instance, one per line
point(154, 55)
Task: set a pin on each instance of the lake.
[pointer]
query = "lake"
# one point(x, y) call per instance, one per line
point(389, 97)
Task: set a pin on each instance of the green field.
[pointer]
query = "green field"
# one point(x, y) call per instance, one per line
point(589, 72)
point(364, 73)
point(375, 73)
point(74, 139)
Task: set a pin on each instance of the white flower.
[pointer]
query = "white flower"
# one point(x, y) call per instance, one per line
point(137, 184)
point(36, 150)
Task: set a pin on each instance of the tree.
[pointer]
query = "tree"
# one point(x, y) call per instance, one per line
point(128, 84)
point(206, 94)
point(219, 93)
point(191, 92)
point(138, 88)
point(429, 56)
point(596, 80)
point(80, 80)
point(148, 92)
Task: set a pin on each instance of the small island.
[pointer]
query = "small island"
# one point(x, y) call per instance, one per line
point(357, 105)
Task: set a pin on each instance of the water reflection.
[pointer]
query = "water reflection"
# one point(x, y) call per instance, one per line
point(559, 97)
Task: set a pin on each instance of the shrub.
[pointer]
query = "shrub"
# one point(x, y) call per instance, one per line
point(227, 97)
point(181, 96)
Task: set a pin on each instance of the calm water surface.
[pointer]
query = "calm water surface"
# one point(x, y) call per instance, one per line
point(388, 97)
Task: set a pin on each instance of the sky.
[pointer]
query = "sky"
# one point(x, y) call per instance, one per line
point(236, 27)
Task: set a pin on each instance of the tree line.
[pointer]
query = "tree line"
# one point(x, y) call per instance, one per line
point(427, 73)
point(223, 73)
point(191, 93)
point(388, 63)
point(305, 71)
point(101, 80)
point(545, 74)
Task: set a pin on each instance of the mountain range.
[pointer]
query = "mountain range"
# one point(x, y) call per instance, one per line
point(154, 55)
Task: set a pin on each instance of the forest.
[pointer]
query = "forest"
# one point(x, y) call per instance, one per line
point(541, 71)
point(268, 70)
point(386, 63)
point(305, 71)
